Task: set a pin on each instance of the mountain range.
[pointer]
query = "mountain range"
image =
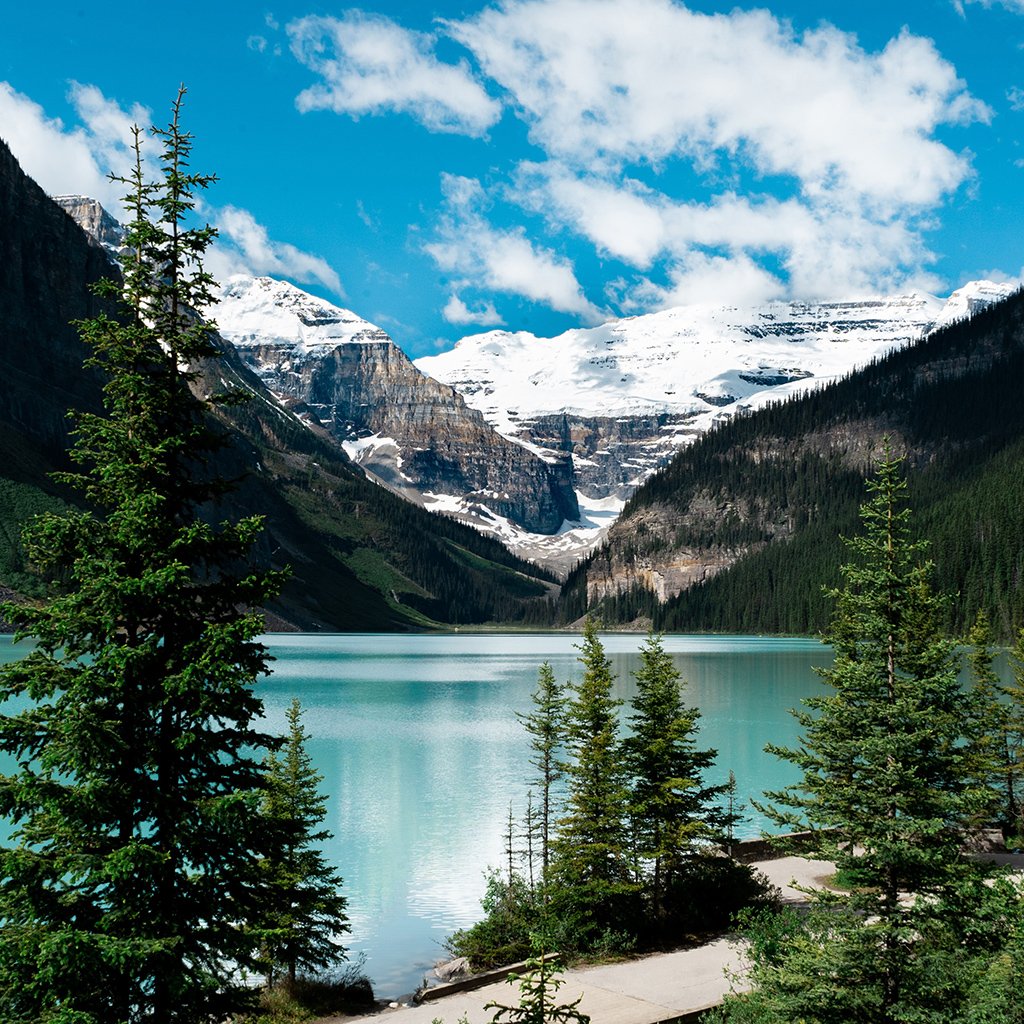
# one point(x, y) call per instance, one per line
point(742, 529)
point(732, 440)
point(539, 441)
point(360, 556)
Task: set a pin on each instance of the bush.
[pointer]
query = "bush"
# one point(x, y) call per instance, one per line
point(513, 913)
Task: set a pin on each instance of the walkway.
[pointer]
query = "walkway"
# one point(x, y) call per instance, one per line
point(651, 990)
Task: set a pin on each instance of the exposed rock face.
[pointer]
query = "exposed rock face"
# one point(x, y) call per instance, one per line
point(611, 455)
point(623, 397)
point(413, 433)
point(90, 216)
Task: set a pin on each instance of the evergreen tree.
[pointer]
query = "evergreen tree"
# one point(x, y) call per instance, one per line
point(883, 763)
point(990, 761)
point(538, 993)
point(671, 807)
point(1014, 739)
point(590, 866)
point(132, 723)
point(545, 726)
point(305, 909)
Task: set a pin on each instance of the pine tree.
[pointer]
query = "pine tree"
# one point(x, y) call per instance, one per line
point(305, 909)
point(545, 726)
point(1014, 726)
point(883, 763)
point(592, 883)
point(133, 722)
point(990, 762)
point(671, 807)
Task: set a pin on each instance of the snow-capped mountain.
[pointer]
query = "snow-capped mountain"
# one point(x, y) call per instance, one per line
point(690, 360)
point(412, 433)
point(628, 392)
point(621, 398)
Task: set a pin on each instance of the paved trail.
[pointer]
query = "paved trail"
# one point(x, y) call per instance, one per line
point(650, 990)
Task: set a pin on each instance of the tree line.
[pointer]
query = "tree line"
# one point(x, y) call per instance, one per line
point(617, 850)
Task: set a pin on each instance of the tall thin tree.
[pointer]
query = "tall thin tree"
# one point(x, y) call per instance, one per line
point(672, 806)
point(304, 908)
point(883, 764)
point(133, 722)
point(591, 864)
point(545, 725)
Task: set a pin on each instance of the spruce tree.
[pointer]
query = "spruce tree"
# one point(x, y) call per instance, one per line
point(671, 806)
point(545, 726)
point(133, 722)
point(990, 763)
point(884, 762)
point(592, 885)
point(304, 906)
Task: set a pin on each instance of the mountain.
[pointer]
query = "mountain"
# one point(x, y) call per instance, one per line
point(621, 399)
point(741, 530)
point(361, 557)
point(406, 430)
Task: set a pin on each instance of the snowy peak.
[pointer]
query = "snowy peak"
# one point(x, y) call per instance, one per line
point(689, 359)
point(971, 298)
point(259, 311)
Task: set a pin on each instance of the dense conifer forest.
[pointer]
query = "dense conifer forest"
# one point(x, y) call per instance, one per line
point(790, 476)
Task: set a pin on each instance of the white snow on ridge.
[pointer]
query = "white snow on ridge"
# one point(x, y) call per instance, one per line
point(690, 360)
point(258, 311)
point(558, 552)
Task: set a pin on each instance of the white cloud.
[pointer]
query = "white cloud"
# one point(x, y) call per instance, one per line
point(369, 64)
point(503, 260)
point(77, 160)
point(1016, 98)
point(457, 312)
point(244, 246)
point(73, 160)
point(714, 280)
point(1010, 5)
point(613, 82)
point(827, 247)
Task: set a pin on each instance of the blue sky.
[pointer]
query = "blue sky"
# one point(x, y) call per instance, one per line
point(444, 168)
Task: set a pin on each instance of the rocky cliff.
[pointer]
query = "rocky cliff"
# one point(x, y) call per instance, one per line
point(360, 558)
point(93, 219)
point(625, 396)
point(413, 433)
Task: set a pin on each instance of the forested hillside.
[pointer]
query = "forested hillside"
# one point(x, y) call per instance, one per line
point(746, 522)
point(361, 558)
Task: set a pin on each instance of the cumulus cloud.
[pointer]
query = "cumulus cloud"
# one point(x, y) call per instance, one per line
point(245, 246)
point(457, 312)
point(646, 80)
point(369, 64)
point(714, 280)
point(502, 260)
point(77, 159)
point(1016, 98)
point(728, 151)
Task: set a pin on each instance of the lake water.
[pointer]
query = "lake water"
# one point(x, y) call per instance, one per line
point(421, 751)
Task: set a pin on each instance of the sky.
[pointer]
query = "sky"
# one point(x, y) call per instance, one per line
point(446, 168)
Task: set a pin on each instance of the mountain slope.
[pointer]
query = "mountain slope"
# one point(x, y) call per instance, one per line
point(408, 431)
point(361, 557)
point(741, 529)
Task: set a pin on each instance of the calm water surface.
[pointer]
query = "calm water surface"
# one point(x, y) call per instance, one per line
point(421, 753)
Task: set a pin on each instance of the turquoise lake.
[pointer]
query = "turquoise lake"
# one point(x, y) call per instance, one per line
point(421, 752)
